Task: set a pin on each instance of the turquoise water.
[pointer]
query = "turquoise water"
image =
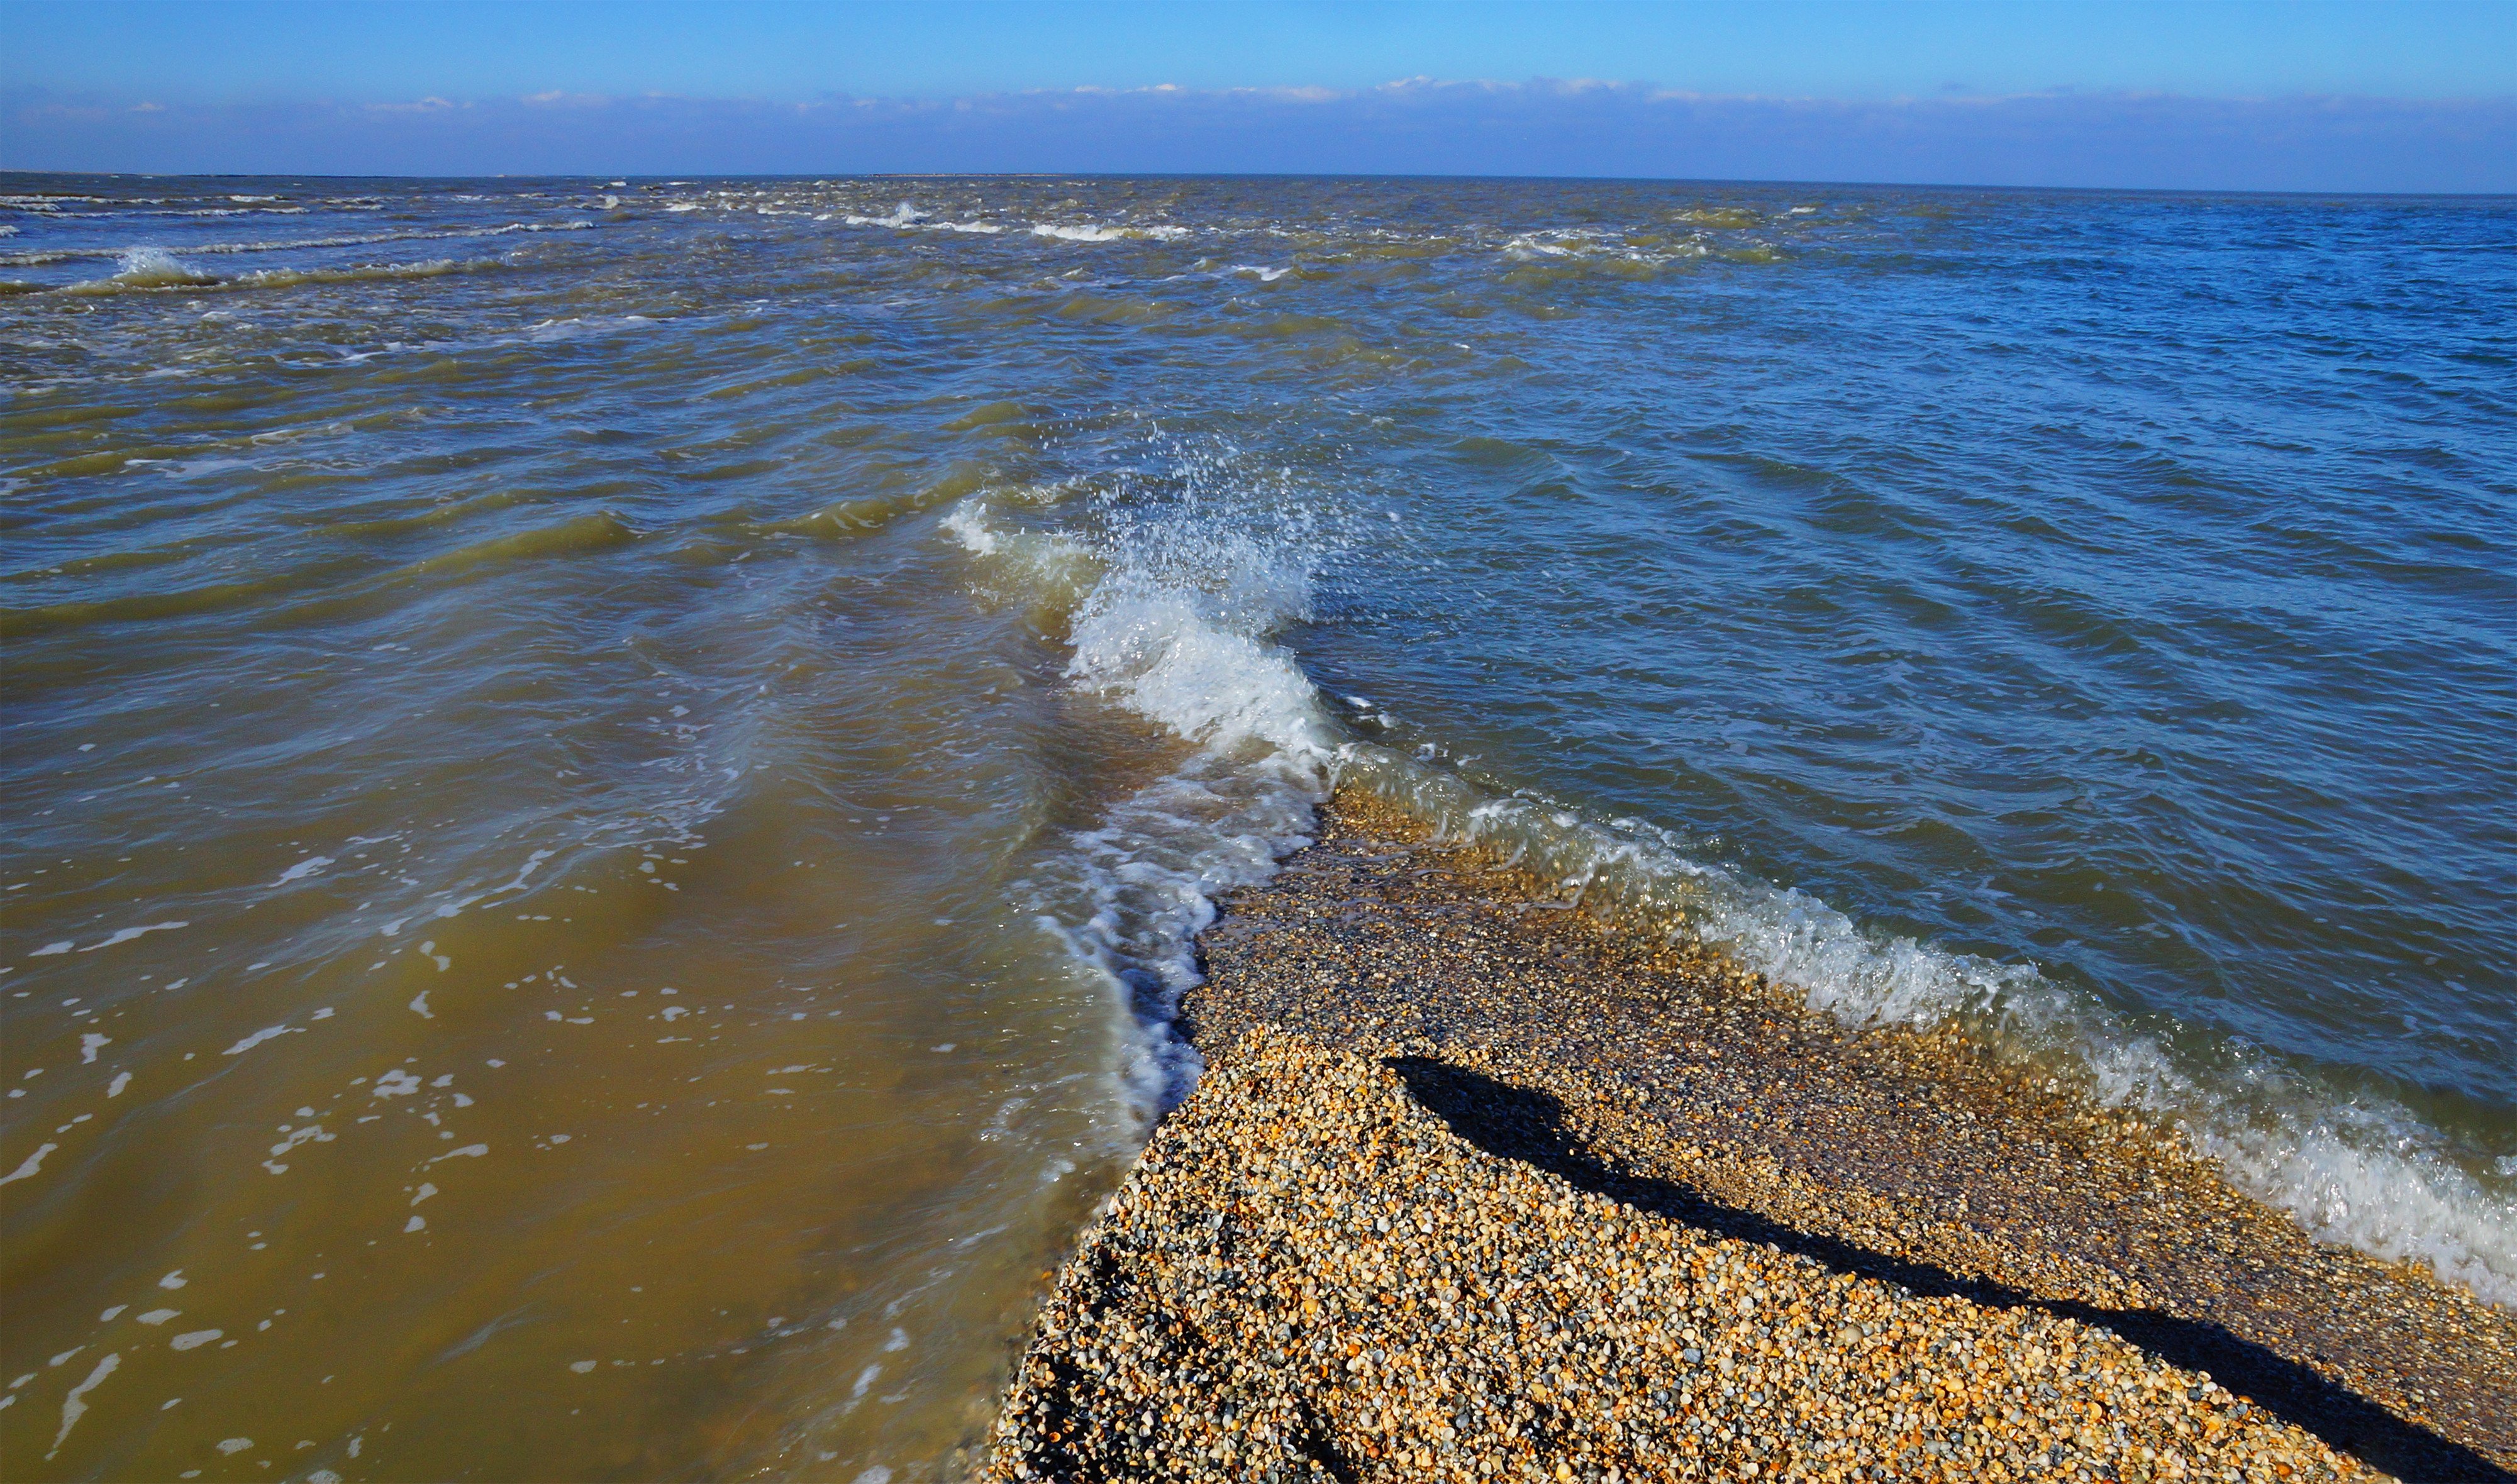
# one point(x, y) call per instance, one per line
point(439, 618)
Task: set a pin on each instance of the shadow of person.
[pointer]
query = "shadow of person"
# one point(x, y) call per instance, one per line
point(1527, 1125)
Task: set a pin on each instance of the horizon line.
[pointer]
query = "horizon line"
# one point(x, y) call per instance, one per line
point(1246, 175)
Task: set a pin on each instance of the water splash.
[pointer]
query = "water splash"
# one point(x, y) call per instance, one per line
point(1173, 595)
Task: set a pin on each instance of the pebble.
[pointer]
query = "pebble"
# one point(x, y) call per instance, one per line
point(1475, 1191)
point(1310, 1275)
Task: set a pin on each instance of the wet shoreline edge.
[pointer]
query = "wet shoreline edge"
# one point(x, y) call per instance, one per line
point(1880, 1244)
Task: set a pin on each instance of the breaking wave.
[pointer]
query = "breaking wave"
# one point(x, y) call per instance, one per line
point(149, 268)
point(1091, 232)
point(906, 217)
point(2358, 1170)
point(1173, 615)
point(277, 245)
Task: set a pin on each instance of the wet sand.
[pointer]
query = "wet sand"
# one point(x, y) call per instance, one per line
point(1477, 1187)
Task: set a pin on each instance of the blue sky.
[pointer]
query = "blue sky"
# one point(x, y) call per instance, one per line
point(2243, 93)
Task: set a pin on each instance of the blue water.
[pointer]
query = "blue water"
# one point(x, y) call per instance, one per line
point(2088, 617)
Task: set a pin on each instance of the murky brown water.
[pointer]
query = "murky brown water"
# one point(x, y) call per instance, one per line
point(607, 786)
point(473, 1108)
point(552, 914)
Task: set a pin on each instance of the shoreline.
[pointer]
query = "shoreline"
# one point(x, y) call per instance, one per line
point(1691, 1110)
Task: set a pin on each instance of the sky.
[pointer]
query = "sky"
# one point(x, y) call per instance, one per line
point(2236, 94)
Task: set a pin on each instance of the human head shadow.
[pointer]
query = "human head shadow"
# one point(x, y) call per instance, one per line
point(1527, 1125)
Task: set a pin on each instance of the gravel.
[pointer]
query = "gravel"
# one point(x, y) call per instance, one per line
point(1472, 1189)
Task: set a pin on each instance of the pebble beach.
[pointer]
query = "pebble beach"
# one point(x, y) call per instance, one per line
point(1477, 1186)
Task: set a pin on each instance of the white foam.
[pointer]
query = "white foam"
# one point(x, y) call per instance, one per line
point(155, 268)
point(1161, 655)
point(1048, 567)
point(312, 1133)
point(125, 935)
point(908, 218)
point(532, 863)
point(74, 1405)
point(1591, 244)
point(261, 1036)
point(1093, 233)
point(2359, 1171)
point(1176, 609)
point(1175, 621)
point(34, 1164)
point(302, 870)
point(1178, 627)
point(903, 215)
point(1130, 898)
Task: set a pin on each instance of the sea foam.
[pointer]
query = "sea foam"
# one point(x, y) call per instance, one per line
point(1093, 233)
point(148, 268)
point(1175, 617)
point(2358, 1170)
point(1171, 611)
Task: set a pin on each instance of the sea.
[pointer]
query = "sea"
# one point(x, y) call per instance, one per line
point(607, 784)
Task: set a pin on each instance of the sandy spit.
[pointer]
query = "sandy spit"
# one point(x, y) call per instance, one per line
point(1474, 1190)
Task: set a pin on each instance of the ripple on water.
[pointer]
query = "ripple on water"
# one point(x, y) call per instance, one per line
point(689, 718)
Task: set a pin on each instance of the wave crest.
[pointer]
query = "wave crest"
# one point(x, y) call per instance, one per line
point(1172, 607)
point(1177, 608)
point(149, 268)
point(2358, 1170)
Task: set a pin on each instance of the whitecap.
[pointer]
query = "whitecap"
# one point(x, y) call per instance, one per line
point(2362, 1171)
point(903, 215)
point(1092, 232)
point(149, 268)
point(1173, 611)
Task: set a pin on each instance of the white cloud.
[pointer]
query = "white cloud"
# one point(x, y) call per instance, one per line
point(1409, 126)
